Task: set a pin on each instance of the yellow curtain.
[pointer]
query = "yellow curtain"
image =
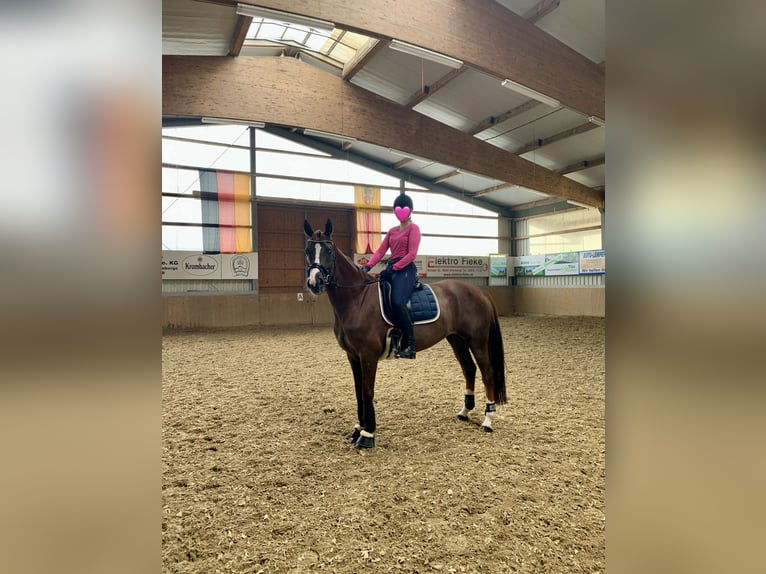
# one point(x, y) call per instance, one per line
point(367, 203)
point(242, 212)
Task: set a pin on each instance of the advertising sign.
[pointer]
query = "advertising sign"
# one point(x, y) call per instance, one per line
point(498, 270)
point(199, 266)
point(592, 262)
point(457, 266)
point(239, 265)
point(547, 265)
point(573, 263)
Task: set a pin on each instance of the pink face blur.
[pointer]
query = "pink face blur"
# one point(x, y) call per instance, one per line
point(402, 213)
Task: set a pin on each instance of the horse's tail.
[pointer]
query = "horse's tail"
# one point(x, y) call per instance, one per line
point(497, 356)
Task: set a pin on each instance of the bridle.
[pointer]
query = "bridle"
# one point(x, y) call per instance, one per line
point(327, 274)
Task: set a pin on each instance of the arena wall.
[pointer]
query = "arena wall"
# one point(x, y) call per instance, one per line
point(585, 302)
point(217, 311)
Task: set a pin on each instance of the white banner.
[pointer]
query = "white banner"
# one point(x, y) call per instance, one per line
point(197, 266)
point(570, 263)
point(457, 266)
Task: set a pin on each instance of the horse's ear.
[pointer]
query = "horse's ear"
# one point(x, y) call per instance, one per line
point(328, 228)
point(307, 228)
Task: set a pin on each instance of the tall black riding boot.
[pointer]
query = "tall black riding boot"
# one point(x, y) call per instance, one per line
point(408, 335)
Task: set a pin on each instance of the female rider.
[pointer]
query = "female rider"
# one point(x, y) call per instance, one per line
point(403, 240)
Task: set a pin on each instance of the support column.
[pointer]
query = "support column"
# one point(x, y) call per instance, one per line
point(253, 203)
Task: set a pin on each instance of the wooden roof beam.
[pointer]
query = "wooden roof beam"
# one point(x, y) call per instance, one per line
point(285, 91)
point(484, 35)
point(240, 32)
point(362, 56)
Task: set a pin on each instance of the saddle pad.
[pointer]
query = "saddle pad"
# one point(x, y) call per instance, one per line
point(423, 304)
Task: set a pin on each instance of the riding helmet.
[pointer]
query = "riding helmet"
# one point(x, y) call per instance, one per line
point(403, 200)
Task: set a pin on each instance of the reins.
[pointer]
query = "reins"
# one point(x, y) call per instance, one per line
point(329, 274)
point(366, 282)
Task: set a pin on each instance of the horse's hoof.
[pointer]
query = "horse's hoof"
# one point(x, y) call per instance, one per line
point(354, 436)
point(487, 429)
point(365, 442)
point(463, 418)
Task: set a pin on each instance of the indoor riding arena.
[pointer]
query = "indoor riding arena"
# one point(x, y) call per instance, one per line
point(258, 476)
point(312, 151)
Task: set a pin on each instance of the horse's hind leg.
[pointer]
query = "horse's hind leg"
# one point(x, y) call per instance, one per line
point(481, 352)
point(463, 354)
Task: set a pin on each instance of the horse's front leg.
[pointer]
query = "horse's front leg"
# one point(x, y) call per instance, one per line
point(356, 369)
point(369, 368)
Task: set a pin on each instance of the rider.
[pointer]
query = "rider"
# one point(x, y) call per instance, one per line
point(404, 241)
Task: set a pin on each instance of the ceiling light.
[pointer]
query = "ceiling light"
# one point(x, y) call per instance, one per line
point(425, 54)
point(596, 120)
point(534, 94)
point(258, 12)
point(226, 122)
point(321, 134)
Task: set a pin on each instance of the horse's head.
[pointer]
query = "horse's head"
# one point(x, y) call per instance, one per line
point(320, 258)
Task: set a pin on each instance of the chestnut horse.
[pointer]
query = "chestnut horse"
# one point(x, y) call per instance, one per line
point(468, 320)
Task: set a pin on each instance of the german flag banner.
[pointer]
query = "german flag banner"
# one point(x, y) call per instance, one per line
point(226, 212)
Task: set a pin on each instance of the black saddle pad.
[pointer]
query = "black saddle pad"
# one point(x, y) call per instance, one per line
point(423, 304)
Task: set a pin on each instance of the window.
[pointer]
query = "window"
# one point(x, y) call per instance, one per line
point(196, 157)
point(578, 230)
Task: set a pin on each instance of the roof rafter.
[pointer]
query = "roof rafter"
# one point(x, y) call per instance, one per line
point(240, 32)
point(430, 90)
point(581, 165)
point(540, 10)
point(362, 56)
point(383, 168)
point(498, 37)
point(492, 189)
point(504, 117)
point(542, 142)
point(292, 93)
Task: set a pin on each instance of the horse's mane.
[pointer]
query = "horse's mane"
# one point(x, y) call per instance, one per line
point(351, 262)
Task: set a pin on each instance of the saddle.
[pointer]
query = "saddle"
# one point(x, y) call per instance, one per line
point(423, 304)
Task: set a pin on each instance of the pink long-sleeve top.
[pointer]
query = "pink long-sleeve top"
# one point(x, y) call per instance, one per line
point(404, 244)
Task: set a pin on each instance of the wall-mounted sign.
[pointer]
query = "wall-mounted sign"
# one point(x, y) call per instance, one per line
point(196, 266)
point(457, 266)
point(547, 265)
point(498, 270)
point(592, 262)
point(572, 263)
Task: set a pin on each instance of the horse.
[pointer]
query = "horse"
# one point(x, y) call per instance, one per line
point(468, 320)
